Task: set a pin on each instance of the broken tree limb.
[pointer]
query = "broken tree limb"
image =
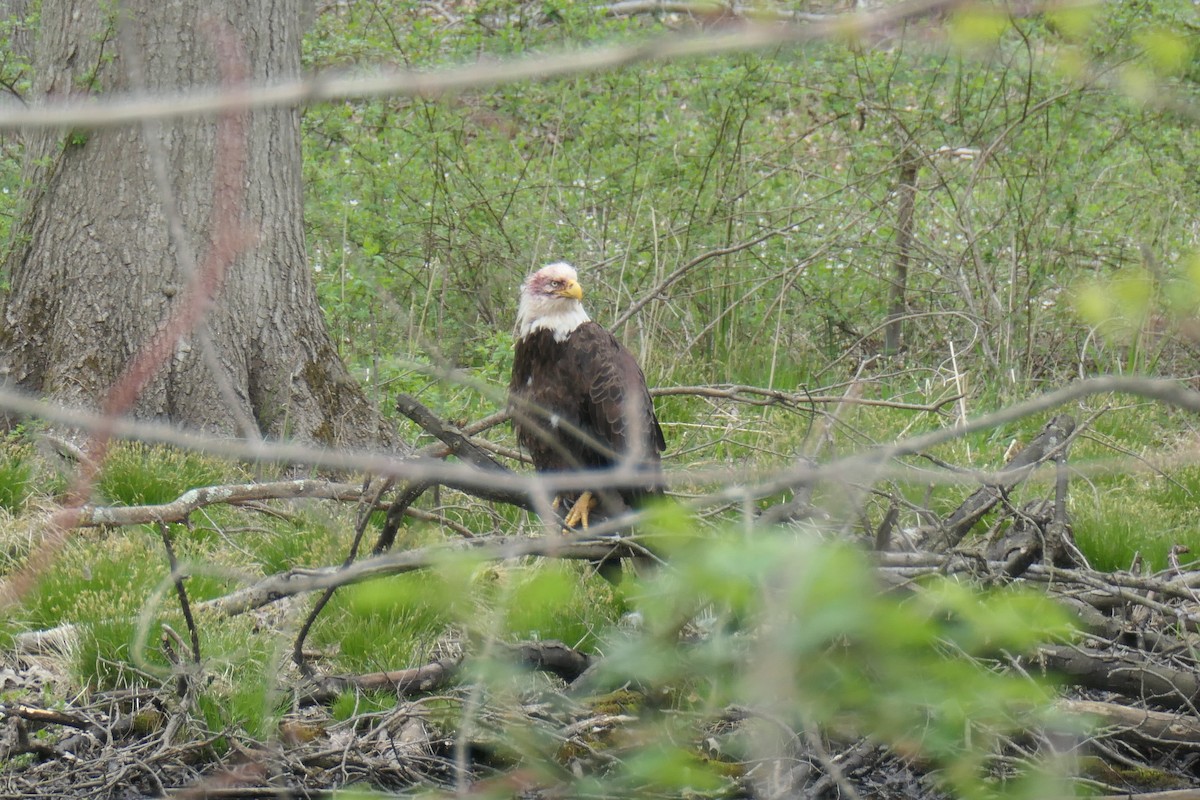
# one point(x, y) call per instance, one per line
point(396, 512)
point(457, 444)
point(476, 427)
point(1055, 436)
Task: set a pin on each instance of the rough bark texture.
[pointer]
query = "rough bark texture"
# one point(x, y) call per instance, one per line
point(95, 270)
point(14, 14)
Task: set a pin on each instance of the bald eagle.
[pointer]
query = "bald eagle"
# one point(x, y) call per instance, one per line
point(579, 399)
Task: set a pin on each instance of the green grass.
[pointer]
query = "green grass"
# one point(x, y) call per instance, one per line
point(402, 620)
point(16, 478)
point(135, 474)
point(386, 624)
point(1144, 514)
point(353, 704)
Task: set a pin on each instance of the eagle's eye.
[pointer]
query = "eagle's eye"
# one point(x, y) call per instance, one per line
point(555, 284)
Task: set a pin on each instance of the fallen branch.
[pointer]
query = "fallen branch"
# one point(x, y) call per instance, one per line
point(761, 396)
point(44, 716)
point(456, 443)
point(1125, 674)
point(477, 427)
point(300, 581)
point(415, 680)
point(1055, 436)
point(192, 500)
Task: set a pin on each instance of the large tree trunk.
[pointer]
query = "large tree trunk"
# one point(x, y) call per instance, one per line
point(95, 272)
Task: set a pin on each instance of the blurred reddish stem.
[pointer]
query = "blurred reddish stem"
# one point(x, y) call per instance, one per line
point(229, 237)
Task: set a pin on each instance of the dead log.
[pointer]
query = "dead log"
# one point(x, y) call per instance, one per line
point(1136, 724)
point(553, 657)
point(1127, 674)
point(415, 680)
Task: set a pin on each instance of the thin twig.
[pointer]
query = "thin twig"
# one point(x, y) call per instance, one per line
point(515, 485)
point(116, 110)
point(178, 577)
point(365, 510)
point(761, 396)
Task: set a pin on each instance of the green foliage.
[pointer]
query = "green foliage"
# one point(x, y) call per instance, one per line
point(431, 212)
point(796, 630)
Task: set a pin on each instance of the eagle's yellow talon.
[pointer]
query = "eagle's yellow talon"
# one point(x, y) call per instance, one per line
point(580, 511)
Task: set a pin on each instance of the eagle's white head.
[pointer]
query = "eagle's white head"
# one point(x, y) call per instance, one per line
point(550, 301)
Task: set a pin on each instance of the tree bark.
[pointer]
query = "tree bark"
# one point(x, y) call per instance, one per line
point(102, 257)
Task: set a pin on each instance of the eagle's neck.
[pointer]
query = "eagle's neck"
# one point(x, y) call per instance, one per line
point(559, 316)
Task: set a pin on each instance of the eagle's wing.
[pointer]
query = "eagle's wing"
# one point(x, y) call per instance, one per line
point(618, 406)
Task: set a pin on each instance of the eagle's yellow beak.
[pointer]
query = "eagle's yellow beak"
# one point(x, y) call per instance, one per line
point(572, 290)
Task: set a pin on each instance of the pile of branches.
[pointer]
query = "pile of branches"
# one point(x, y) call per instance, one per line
point(1134, 675)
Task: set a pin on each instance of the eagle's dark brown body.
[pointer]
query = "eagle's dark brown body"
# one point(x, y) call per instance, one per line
point(582, 403)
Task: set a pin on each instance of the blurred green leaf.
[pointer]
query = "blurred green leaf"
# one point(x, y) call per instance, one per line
point(1168, 52)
